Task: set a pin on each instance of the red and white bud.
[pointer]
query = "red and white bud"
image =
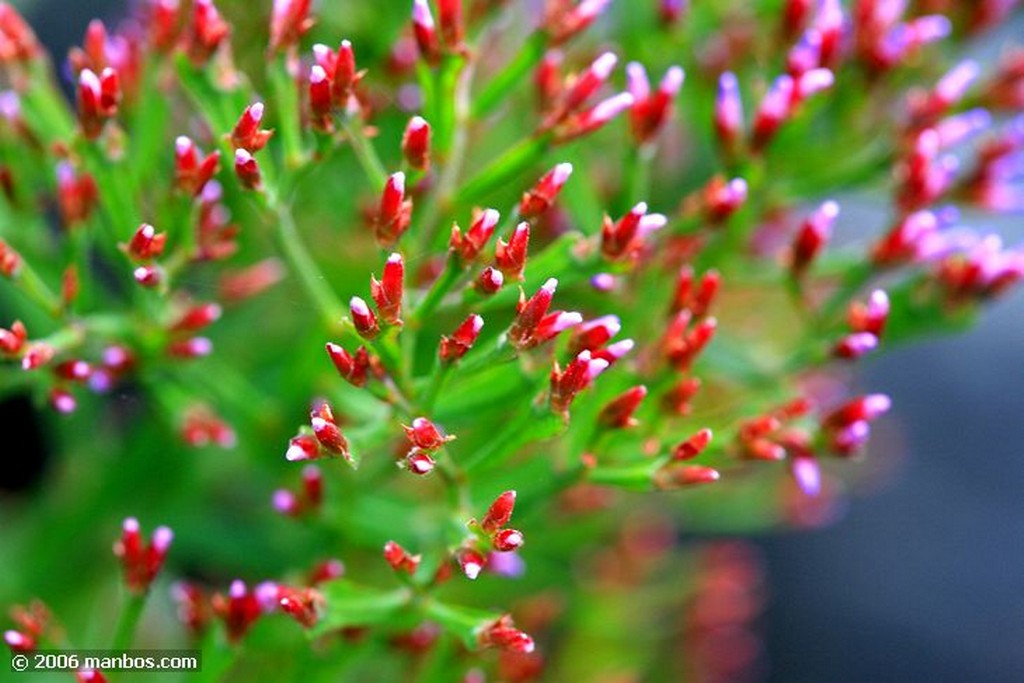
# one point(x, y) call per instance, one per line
point(530, 312)
point(426, 435)
point(469, 246)
point(419, 462)
point(302, 447)
point(470, 562)
point(578, 375)
point(140, 562)
point(693, 446)
point(363, 319)
point(728, 112)
point(247, 134)
point(327, 432)
point(508, 540)
point(500, 512)
point(416, 143)
point(399, 558)
point(502, 634)
point(594, 118)
point(146, 243)
point(387, 293)
point(247, 170)
point(619, 412)
point(206, 32)
point(651, 110)
point(870, 316)
point(814, 233)
point(455, 347)
point(289, 21)
point(543, 194)
point(424, 30)
point(776, 107)
point(395, 211)
point(193, 347)
point(490, 281)
point(148, 276)
point(351, 368)
point(855, 345)
point(192, 171)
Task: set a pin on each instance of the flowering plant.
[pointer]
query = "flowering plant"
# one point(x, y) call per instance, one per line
point(473, 468)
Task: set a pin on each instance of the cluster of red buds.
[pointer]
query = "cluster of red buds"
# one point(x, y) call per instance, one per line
point(141, 563)
point(490, 533)
point(33, 623)
point(323, 438)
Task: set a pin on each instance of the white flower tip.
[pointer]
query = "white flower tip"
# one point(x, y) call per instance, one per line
point(358, 306)
point(471, 570)
point(294, 453)
point(550, 285)
point(562, 172)
point(162, 538)
point(130, 525)
point(395, 258)
point(604, 65)
point(317, 74)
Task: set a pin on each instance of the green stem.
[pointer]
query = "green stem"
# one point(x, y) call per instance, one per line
point(287, 98)
point(128, 621)
point(33, 287)
point(453, 272)
point(366, 154)
point(302, 263)
point(509, 165)
point(501, 84)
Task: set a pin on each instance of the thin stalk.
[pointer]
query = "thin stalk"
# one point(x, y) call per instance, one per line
point(366, 154)
point(128, 621)
point(302, 263)
point(502, 83)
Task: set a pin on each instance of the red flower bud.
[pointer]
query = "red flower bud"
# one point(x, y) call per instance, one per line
point(502, 634)
point(302, 447)
point(327, 432)
point(363, 319)
point(651, 110)
point(450, 18)
point(146, 243)
point(425, 434)
point(500, 512)
point(594, 118)
point(98, 97)
point(247, 170)
point(489, 281)
point(569, 21)
point(195, 347)
point(416, 143)
point(722, 199)
point(470, 562)
point(76, 195)
point(289, 21)
point(693, 446)
point(593, 334)
point(17, 641)
point(387, 293)
point(37, 354)
point(206, 32)
point(141, 563)
point(627, 235)
point(239, 610)
point(510, 257)
point(507, 540)
point(419, 462)
point(871, 316)
point(13, 340)
point(399, 558)
point(148, 276)
point(197, 317)
point(321, 99)
point(577, 376)
point(542, 195)
point(468, 247)
point(351, 368)
point(62, 401)
point(685, 475)
point(455, 347)
point(855, 345)
point(618, 413)
point(425, 32)
point(164, 24)
point(247, 134)
point(192, 170)
point(395, 212)
point(813, 235)
point(529, 315)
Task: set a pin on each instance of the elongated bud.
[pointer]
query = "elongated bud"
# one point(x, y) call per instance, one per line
point(98, 97)
point(684, 476)
point(146, 243)
point(193, 347)
point(547, 79)
point(455, 347)
point(192, 171)
point(855, 345)
point(141, 563)
point(724, 198)
point(575, 19)
point(795, 14)
point(425, 434)
point(510, 257)
point(364, 320)
point(77, 194)
point(416, 143)
point(470, 562)
point(812, 237)
point(693, 446)
point(164, 24)
point(862, 409)
point(530, 313)
point(594, 118)
point(289, 21)
point(327, 432)
point(425, 32)
point(247, 134)
point(577, 376)
point(500, 512)
point(871, 316)
point(19, 43)
point(554, 323)
point(503, 635)
point(36, 355)
point(468, 247)
point(321, 100)
point(829, 22)
point(247, 170)
point(304, 605)
point(588, 82)
point(593, 334)
point(542, 195)
point(651, 110)
point(387, 293)
point(395, 211)
point(62, 401)
point(197, 317)
point(508, 540)
point(728, 112)
point(399, 558)
point(206, 32)
point(489, 281)
point(450, 17)
point(775, 108)
point(351, 368)
point(19, 642)
point(618, 413)
point(74, 370)
point(627, 235)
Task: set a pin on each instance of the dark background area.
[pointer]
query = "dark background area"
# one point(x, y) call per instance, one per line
point(923, 580)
